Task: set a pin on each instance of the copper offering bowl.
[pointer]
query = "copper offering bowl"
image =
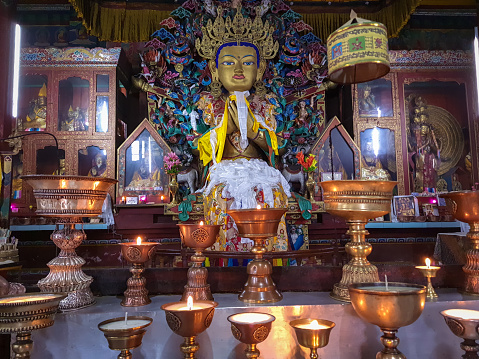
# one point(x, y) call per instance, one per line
point(391, 309)
point(138, 253)
point(258, 224)
point(464, 323)
point(357, 201)
point(312, 338)
point(464, 206)
point(26, 312)
point(188, 323)
point(136, 293)
point(251, 328)
point(125, 339)
point(199, 237)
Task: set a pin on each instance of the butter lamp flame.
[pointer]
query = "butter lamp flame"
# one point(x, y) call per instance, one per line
point(138, 240)
point(428, 263)
point(189, 303)
point(312, 333)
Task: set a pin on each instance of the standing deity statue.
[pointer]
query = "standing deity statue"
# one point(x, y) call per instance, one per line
point(241, 145)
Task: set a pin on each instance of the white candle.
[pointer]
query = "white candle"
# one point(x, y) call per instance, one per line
point(390, 288)
point(251, 318)
point(462, 313)
point(122, 324)
point(26, 299)
point(314, 325)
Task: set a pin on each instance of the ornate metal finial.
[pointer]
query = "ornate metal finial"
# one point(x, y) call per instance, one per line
point(238, 30)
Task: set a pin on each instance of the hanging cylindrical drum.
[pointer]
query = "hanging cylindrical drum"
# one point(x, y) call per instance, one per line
point(358, 52)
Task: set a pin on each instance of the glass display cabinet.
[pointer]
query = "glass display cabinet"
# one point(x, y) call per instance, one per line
point(70, 93)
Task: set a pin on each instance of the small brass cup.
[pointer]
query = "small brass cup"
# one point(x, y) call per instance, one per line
point(312, 338)
point(429, 272)
point(188, 323)
point(251, 329)
point(136, 293)
point(125, 339)
point(199, 237)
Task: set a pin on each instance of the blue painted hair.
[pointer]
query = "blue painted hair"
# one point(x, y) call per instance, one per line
point(247, 44)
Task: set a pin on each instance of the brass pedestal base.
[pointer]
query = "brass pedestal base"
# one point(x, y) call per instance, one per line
point(252, 352)
point(471, 348)
point(136, 294)
point(23, 345)
point(358, 270)
point(471, 268)
point(189, 348)
point(197, 286)
point(66, 275)
point(260, 288)
point(390, 342)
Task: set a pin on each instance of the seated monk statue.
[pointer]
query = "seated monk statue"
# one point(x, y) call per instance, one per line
point(243, 128)
point(37, 114)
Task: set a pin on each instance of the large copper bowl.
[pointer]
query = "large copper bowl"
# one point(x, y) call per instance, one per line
point(27, 312)
point(357, 199)
point(63, 196)
point(464, 205)
point(391, 309)
point(253, 223)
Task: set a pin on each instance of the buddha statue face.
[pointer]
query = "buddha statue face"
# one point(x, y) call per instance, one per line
point(237, 67)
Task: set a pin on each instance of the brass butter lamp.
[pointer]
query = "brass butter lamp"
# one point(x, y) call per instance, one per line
point(188, 319)
point(429, 272)
point(464, 323)
point(312, 333)
point(137, 253)
point(124, 334)
point(357, 201)
point(464, 206)
point(68, 199)
point(258, 224)
point(21, 314)
point(198, 236)
point(251, 328)
point(390, 307)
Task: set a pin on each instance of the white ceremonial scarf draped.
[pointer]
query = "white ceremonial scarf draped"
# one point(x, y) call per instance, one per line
point(241, 177)
point(242, 116)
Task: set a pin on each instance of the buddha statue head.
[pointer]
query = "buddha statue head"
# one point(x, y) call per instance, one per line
point(237, 50)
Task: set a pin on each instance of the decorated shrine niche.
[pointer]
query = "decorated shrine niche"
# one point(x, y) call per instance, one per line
point(141, 174)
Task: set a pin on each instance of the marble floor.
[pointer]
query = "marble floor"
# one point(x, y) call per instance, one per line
point(75, 335)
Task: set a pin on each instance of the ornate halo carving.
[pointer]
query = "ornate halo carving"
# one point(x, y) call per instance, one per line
point(133, 254)
point(260, 334)
point(209, 318)
point(200, 235)
point(173, 321)
point(236, 332)
point(456, 327)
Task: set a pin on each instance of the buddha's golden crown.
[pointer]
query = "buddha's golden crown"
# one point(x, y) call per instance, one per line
point(238, 30)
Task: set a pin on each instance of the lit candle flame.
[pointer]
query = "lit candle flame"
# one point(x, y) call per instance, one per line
point(428, 263)
point(315, 325)
point(95, 184)
point(258, 207)
point(202, 223)
point(138, 240)
point(64, 184)
point(189, 303)
point(162, 198)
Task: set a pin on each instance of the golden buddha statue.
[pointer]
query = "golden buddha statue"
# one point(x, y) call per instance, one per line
point(37, 115)
point(243, 127)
